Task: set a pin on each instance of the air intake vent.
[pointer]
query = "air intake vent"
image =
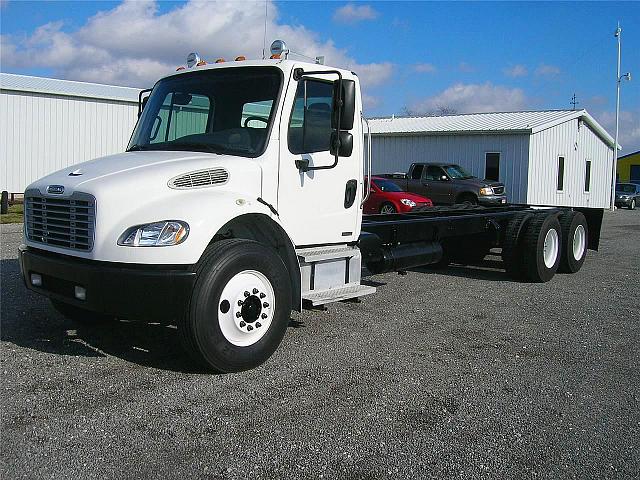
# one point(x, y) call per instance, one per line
point(200, 179)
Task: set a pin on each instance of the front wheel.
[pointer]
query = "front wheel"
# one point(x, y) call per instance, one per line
point(632, 205)
point(387, 208)
point(240, 306)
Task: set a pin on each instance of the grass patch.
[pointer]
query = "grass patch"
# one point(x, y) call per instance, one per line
point(14, 215)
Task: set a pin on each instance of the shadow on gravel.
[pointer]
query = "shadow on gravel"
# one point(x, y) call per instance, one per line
point(488, 269)
point(28, 320)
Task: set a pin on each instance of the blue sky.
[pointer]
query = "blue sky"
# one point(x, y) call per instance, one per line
point(415, 57)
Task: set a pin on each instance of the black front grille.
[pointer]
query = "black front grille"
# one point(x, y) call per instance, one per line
point(498, 190)
point(61, 222)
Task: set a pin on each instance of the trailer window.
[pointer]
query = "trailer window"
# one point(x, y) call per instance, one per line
point(587, 176)
point(310, 123)
point(560, 174)
point(492, 166)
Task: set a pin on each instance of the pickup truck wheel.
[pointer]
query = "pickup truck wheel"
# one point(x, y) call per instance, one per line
point(512, 249)
point(541, 243)
point(240, 306)
point(469, 198)
point(632, 205)
point(79, 315)
point(387, 208)
point(575, 235)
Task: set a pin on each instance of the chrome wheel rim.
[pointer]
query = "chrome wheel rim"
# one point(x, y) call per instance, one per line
point(387, 209)
point(550, 251)
point(246, 308)
point(579, 242)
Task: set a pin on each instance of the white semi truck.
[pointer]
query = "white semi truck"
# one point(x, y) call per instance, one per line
point(239, 198)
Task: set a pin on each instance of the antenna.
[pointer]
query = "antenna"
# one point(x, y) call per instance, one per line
point(574, 101)
point(264, 39)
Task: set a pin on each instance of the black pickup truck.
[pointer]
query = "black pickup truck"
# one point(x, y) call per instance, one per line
point(448, 183)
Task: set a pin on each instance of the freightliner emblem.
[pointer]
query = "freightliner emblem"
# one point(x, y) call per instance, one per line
point(55, 189)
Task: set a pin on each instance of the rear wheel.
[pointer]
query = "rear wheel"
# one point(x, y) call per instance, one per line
point(541, 244)
point(79, 315)
point(387, 208)
point(240, 306)
point(512, 249)
point(575, 235)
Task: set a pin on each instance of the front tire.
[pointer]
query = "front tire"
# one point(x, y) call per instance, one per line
point(239, 308)
point(387, 209)
point(632, 205)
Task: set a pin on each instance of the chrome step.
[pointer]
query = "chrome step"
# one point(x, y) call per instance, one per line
point(337, 294)
point(318, 254)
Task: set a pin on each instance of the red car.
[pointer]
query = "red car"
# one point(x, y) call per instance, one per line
point(387, 197)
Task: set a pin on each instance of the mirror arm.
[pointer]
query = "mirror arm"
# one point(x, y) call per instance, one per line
point(142, 92)
point(298, 74)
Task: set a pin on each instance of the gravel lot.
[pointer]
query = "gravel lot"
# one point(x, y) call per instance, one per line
point(456, 373)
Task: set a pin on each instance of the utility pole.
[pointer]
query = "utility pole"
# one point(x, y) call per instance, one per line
point(626, 76)
point(574, 101)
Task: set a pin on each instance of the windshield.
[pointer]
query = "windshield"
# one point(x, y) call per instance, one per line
point(626, 188)
point(386, 185)
point(456, 171)
point(220, 110)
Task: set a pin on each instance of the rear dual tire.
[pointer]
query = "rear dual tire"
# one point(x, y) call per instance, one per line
point(240, 306)
point(575, 240)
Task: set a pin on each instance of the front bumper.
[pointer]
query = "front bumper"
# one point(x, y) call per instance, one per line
point(492, 199)
point(623, 202)
point(145, 292)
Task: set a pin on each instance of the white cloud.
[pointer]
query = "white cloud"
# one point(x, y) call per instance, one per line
point(473, 98)
point(516, 71)
point(133, 44)
point(351, 13)
point(629, 134)
point(464, 67)
point(424, 68)
point(370, 102)
point(547, 70)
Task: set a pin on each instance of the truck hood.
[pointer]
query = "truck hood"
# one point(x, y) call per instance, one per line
point(479, 183)
point(131, 168)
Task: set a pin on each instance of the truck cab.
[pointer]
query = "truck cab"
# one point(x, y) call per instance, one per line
point(260, 160)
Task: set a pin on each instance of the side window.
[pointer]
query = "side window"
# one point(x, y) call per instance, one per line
point(181, 115)
point(434, 173)
point(256, 114)
point(492, 166)
point(587, 176)
point(560, 174)
point(416, 173)
point(310, 123)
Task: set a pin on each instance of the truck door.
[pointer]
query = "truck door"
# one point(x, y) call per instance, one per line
point(436, 188)
point(414, 179)
point(318, 206)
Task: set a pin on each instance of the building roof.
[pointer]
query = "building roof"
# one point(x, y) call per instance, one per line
point(628, 155)
point(67, 88)
point(484, 123)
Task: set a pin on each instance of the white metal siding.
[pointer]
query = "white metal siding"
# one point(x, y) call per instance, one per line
point(41, 133)
point(577, 145)
point(396, 152)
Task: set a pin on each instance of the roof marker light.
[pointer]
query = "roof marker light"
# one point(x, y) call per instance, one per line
point(192, 59)
point(240, 58)
point(279, 47)
point(220, 60)
point(180, 68)
point(201, 63)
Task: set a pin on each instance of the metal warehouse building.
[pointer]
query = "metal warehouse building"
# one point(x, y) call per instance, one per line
point(554, 157)
point(48, 124)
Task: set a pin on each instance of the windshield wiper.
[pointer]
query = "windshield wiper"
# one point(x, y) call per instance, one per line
point(136, 147)
point(208, 147)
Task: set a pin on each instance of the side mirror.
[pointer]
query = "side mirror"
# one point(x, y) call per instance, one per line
point(341, 146)
point(348, 97)
point(144, 104)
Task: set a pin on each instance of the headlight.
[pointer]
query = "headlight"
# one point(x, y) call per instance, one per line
point(158, 234)
point(486, 191)
point(407, 202)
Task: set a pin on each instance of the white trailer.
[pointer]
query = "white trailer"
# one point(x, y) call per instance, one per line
point(238, 199)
